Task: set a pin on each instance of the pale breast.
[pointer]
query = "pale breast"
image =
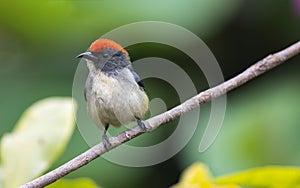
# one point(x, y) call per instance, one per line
point(116, 100)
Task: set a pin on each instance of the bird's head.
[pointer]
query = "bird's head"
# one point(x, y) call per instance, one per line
point(106, 55)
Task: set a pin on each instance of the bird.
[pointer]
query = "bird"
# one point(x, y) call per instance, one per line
point(114, 92)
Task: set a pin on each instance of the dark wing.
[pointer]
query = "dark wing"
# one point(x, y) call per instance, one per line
point(137, 78)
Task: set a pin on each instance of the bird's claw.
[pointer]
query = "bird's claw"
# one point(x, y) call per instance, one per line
point(106, 142)
point(142, 125)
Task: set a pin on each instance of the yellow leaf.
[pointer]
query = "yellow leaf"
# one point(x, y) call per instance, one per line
point(38, 139)
point(272, 176)
point(198, 176)
point(75, 183)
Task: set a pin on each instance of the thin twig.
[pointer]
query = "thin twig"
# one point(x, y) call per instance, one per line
point(255, 70)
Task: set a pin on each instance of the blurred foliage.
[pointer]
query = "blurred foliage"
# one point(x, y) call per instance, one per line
point(268, 177)
point(38, 139)
point(260, 130)
point(77, 183)
point(40, 39)
point(198, 175)
point(42, 21)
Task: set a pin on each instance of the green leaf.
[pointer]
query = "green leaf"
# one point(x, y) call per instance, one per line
point(198, 175)
point(75, 183)
point(272, 176)
point(38, 139)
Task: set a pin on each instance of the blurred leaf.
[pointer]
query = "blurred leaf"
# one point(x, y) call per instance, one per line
point(38, 139)
point(1, 177)
point(284, 177)
point(198, 175)
point(75, 183)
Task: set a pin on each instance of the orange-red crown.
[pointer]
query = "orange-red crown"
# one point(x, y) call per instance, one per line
point(100, 44)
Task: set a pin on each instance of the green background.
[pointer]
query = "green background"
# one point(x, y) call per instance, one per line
point(40, 39)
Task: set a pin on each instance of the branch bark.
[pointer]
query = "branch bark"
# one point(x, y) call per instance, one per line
point(253, 71)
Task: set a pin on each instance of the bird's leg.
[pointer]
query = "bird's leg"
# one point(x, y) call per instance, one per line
point(105, 140)
point(142, 125)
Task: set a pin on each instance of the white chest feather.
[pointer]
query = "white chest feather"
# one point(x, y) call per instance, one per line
point(114, 100)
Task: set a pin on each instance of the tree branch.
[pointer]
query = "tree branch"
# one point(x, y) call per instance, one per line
point(255, 70)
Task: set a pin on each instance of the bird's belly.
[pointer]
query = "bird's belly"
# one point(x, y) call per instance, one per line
point(116, 102)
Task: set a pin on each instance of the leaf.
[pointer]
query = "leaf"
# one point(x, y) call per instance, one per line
point(38, 139)
point(197, 176)
point(75, 183)
point(272, 176)
point(0, 177)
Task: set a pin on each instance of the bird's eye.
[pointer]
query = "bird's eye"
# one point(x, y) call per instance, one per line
point(119, 53)
point(105, 55)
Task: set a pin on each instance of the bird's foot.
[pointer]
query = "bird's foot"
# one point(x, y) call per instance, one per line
point(142, 125)
point(106, 142)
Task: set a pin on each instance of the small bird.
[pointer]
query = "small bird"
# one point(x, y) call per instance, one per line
point(114, 92)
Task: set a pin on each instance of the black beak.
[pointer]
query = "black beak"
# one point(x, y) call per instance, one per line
point(87, 55)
